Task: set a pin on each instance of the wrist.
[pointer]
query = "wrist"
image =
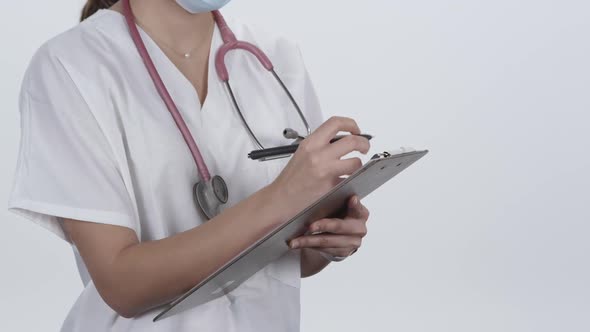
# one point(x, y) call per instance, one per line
point(333, 258)
point(279, 200)
point(276, 201)
point(312, 262)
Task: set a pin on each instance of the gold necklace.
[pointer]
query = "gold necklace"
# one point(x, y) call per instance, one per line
point(185, 55)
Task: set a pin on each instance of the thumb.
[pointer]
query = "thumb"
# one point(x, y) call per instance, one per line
point(354, 207)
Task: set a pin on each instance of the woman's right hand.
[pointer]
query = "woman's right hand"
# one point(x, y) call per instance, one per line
point(316, 166)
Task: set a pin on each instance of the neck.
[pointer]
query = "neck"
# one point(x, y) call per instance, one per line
point(171, 23)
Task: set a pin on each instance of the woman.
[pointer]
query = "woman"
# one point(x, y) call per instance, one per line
point(103, 165)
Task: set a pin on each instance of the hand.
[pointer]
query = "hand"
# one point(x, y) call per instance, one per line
point(316, 166)
point(338, 237)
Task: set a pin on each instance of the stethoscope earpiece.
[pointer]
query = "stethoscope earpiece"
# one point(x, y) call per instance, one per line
point(290, 133)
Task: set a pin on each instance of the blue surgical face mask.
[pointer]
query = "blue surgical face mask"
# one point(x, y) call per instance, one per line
point(200, 6)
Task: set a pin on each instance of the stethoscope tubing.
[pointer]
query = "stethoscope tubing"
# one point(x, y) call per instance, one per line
point(164, 94)
point(229, 43)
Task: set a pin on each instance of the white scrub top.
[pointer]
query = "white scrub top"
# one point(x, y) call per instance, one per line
point(99, 145)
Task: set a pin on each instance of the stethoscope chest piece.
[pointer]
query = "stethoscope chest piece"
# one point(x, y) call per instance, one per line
point(211, 195)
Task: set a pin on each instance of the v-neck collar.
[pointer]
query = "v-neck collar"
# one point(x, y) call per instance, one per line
point(172, 76)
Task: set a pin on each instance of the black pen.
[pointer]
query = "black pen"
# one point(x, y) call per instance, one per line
point(286, 150)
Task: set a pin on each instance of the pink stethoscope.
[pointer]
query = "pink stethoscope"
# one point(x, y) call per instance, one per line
point(211, 192)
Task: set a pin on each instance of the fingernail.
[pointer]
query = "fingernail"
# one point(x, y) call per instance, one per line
point(294, 244)
point(355, 201)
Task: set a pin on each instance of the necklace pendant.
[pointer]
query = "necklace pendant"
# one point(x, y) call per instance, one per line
point(187, 55)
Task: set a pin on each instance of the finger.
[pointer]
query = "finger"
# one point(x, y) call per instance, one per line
point(327, 130)
point(365, 213)
point(353, 201)
point(336, 181)
point(348, 144)
point(326, 241)
point(345, 166)
point(354, 227)
point(356, 209)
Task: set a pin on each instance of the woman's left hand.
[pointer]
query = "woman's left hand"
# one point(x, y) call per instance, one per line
point(338, 237)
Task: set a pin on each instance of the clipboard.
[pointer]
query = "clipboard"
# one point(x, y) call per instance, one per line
point(374, 173)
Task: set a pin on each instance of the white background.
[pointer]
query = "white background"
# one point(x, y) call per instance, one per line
point(489, 232)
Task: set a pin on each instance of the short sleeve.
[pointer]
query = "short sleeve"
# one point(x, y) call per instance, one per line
point(65, 166)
